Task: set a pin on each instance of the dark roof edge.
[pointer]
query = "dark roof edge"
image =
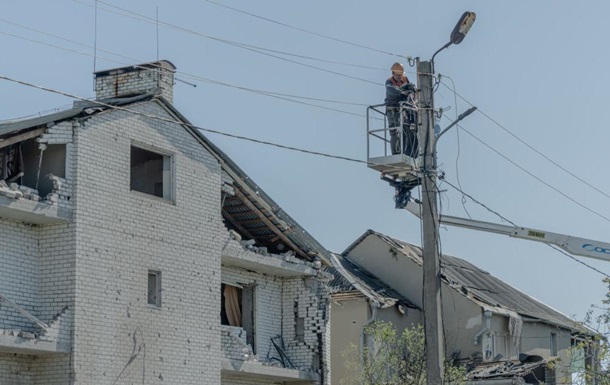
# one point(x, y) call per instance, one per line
point(78, 107)
point(165, 64)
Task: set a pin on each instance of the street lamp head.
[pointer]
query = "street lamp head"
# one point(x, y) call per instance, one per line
point(462, 27)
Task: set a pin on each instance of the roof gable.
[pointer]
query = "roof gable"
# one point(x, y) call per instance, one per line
point(479, 285)
point(270, 226)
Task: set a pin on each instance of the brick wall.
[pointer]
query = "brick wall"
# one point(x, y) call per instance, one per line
point(142, 80)
point(121, 234)
point(38, 266)
point(278, 302)
point(19, 273)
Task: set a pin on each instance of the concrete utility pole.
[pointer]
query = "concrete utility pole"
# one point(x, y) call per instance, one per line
point(433, 321)
point(433, 317)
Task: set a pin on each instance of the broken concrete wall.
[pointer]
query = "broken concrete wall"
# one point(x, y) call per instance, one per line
point(121, 235)
point(234, 343)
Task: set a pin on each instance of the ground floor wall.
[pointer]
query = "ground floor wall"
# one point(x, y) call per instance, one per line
point(21, 369)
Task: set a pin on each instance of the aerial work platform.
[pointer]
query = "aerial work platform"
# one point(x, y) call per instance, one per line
point(380, 140)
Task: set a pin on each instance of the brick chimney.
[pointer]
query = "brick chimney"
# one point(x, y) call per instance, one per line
point(136, 80)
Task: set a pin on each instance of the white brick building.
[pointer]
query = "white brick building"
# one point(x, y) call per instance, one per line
point(135, 251)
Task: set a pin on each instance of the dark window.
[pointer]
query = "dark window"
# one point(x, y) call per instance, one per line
point(150, 173)
point(154, 288)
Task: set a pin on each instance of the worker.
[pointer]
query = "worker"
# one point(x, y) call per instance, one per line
point(399, 89)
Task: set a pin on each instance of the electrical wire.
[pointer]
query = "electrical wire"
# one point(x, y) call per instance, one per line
point(307, 31)
point(252, 48)
point(185, 74)
point(537, 178)
point(270, 95)
point(503, 218)
point(168, 120)
point(277, 95)
point(457, 134)
point(259, 142)
point(530, 146)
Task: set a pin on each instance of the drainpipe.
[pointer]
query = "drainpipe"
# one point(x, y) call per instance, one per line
point(374, 307)
point(486, 328)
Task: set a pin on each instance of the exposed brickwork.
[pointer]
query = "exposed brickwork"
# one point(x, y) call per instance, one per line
point(122, 234)
point(88, 278)
point(19, 273)
point(275, 315)
point(141, 80)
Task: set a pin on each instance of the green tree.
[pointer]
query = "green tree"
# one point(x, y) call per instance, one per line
point(392, 358)
point(591, 355)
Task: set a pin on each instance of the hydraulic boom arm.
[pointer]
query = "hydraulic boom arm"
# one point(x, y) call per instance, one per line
point(573, 245)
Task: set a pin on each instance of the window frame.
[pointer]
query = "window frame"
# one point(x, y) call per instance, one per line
point(168, 171)
point(157, 302)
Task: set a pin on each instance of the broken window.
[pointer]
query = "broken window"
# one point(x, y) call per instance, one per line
point(51, 158)
point(11, 163)
point(237, 309)
point(151, 173)
point(28, 162)
point(154, 288)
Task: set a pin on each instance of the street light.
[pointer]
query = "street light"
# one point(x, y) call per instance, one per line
point(433, 322)
point(459, 31)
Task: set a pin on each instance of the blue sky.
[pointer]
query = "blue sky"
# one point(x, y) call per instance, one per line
point(536, 71)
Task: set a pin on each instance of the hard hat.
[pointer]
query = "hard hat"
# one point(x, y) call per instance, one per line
point(397, 68)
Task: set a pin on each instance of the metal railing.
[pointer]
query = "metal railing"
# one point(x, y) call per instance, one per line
point(380, 131)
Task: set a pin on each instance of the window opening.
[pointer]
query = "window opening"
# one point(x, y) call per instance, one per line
point(237, 309)
point(28, 163)
point(150, 173)
point(154, 288)
point(553, 344)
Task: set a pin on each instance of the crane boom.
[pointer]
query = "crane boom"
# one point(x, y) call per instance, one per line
point(573, 245)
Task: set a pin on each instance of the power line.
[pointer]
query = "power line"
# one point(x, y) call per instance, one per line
point(307, 31)
point(530, 146)
point(180, 72)
point(277, 95)
point(252, 48)
point(512, 223)
point(102, 104)
point(317, 153)
point(537, 178)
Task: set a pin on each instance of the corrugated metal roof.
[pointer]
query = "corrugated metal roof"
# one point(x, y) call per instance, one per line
point(480, 285)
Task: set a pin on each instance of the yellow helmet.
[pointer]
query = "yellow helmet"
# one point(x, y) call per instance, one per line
point(397, 68)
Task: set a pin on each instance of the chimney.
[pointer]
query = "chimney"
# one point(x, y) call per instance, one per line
point(136, 80)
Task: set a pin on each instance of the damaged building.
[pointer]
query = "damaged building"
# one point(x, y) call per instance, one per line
point(135, 251)
point(500, 334)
